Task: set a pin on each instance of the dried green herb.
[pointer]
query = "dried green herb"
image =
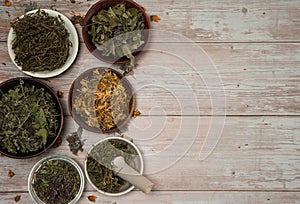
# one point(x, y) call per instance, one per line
point(41, 42)
point(102, 100)
point(99, 166)
point(31, 6)
point(77, 19)
point(75, 142)
point(118, 32)
point(29, 117)
point(56, 182)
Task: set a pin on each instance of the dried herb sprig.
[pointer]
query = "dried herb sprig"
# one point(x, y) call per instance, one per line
point(99, 166)
point(29, 117)
point(118, 32)
point(56, 182)
point(41, 42)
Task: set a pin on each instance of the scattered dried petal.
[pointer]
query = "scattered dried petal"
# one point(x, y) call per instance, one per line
point(155, 18)
point(10, 173)
point(8, 14)
point(136, 113)
point(72, 1)
point(4, 63)
point(60, 94)
point(92, 198)
point(7, 3)
point(80, 2)
point(17, 198)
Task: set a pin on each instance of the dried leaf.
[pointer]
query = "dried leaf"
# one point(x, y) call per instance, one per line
point(17, 198)
point(136, 113)
point(60, 94)
point(92, 198)
point(10, 173)
point(155, 18)
point(7, 3)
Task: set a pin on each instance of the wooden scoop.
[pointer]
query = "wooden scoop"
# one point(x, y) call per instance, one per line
point(123, 170)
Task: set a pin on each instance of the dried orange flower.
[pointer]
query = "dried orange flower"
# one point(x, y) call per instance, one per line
point(17, 198)
point(10, 173)
point(92, 198)
point(154, 18)
point(7, 3)
point(136, 113)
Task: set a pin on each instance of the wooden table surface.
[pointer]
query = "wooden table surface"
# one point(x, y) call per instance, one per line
point(219, 92)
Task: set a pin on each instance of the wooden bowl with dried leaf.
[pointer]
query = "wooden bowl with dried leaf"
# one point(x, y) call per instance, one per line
point(116, 31)
point(101, 100)
point(31, 117)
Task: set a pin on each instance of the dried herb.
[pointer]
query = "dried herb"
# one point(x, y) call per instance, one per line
point(102, 100)
point(41, 42)
point(60, 94)
point(155, 18)
point(99, 166)
point(4, 63)
point(56, 182)
point(77, 19)
point(118, 32)
point(29, 117)
point(10, 173)
point(92, 198)
point(17, 198)
point(136, 113)
point(75, 142)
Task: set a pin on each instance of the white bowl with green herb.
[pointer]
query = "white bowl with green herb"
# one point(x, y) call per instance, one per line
point(42, 43)
point(56, 180)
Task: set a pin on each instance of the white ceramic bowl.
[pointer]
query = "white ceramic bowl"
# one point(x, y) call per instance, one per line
point(55, 157)
point(73, 37)
point(138, 163)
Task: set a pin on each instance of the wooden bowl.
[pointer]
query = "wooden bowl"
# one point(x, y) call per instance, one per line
point(10, 84)
point(79, 120)
point(104, 4)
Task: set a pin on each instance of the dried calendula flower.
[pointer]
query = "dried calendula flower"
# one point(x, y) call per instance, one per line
point(60, 94)
point(10, 173)
point(155, 18)
point(136, 113)
point(102, 100)
point(7, 3)
point(92, 198)
point(17, 198)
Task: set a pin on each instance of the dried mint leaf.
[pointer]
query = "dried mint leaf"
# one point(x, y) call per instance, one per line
point(29, 118)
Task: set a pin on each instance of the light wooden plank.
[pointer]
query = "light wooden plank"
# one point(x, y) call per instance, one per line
point(177, 197)
point(201, 21)
point(253, 153)
point(258, 79)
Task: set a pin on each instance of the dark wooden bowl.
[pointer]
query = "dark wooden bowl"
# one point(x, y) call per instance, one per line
point(76, 84)
point(9, 84)
point(104, 4)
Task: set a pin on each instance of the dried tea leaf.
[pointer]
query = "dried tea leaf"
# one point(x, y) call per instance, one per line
point(136, 113)
point(155, 18)
point(118, 32)
point(56, 181)
point(75, 142)
point(92, 198)
point(31, 6)
point(17, 198)
point(10, 173)
point(77, 19)
point(41, 42)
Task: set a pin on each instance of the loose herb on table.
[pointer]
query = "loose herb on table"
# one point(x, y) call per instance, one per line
point(29, 117)
point(99, 166)
point(92, 198)
point(75, 142)
point(118, 32)
point(56, 182)
point(102, 100)
point(17, 198)
point(10, 173)
point(41, 42)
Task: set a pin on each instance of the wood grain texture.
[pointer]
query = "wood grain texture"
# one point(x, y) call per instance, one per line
point(257, 79)
point(175, 197)
point(201, 21)
point(253, 153)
